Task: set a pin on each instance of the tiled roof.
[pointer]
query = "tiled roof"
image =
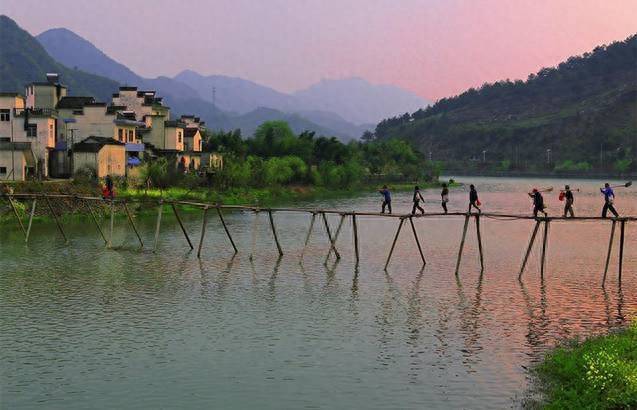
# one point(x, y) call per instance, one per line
point(74, 103)
point(94, 144)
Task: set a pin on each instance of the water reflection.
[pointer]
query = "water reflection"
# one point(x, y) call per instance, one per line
point(83, 324)
point(470, 315)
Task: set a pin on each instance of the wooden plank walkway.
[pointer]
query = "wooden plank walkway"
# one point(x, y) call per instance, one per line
point(205, 207)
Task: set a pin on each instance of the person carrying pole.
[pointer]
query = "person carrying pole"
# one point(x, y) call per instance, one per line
point(609, 198)
point(569, 199)
point(417, 198)
point(386, 199)
point(473, 198)
point(538, 202)
point(444, 197)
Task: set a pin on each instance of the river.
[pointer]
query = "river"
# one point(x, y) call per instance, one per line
point(82, 326)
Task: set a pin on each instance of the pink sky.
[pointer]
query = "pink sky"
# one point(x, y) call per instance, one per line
point(434, 48)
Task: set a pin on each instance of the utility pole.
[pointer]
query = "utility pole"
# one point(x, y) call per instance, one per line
point(548, 155)
point(484, 155)
point(12, 110)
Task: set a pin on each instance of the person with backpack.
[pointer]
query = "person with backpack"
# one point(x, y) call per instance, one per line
point(417, 198)
point(569, 199)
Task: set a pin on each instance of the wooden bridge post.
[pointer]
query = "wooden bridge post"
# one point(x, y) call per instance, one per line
point(26, 239)
point(309, 232)
point(130, 218)
point(99, 228)
point(203, 229)
point(338, 231)
point(17, 216)
point(393, 245)
point(528, 249)
point(622, 227)
point(276, 238)
point(223, 222)
point(610, 248)
point(355, 228)
point(413, 228)
point(544, 243)
point(254, 231)
point(57, 222)
point(158, 224)
point(110, 242)
point(181, 225)
point(479, 243)
point(464, 235)
point(329, 236)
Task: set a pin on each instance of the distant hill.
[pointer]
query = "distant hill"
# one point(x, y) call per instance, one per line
point(75, 52)
point(584, 111)
point(358, 101)
point(344, 106)
point(23, 60)
point(235, 94)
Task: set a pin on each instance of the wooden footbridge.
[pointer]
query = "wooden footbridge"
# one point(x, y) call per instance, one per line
point(89, 202)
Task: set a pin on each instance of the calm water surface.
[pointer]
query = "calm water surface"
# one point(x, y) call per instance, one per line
point(82, 326)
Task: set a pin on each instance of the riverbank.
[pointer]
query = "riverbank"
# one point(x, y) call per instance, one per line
point(262, 197)
point(600, 373)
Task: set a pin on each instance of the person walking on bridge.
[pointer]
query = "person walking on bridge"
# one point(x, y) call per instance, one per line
point(417, 198)
point(609, 198)
point(386, 199)
point(538, 202)
point(568, 202)
point(473, 198)
point(444, 197)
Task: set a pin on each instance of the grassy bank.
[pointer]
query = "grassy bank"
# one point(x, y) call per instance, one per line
point(598, 373)
point(264, 197)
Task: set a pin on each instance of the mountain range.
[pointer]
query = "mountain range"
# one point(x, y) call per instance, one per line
point(344, 107)
point(579, 115)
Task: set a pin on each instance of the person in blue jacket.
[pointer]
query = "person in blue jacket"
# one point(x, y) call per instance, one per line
point(386, 198)
point(609, 198)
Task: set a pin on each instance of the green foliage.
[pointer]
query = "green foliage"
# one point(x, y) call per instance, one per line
point(623, 165)
point(599, 373)
point(572, 166)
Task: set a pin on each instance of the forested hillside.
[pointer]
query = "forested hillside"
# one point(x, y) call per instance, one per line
point(578, 116)
point(23, 60)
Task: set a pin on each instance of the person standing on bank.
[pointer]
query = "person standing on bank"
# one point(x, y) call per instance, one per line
point(609, 198)
point(386, 199)
point(473, 198)
point(568, 204)
point(109, 185)
point(538, 202)
point(444, 196)
point(417, 198)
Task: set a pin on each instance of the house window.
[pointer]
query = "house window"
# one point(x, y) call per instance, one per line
point(5, 115)
point(120, 134)
point(199, 145)
point(131, 135)
point(32, 130)
point(179, 137)
point(3, 170)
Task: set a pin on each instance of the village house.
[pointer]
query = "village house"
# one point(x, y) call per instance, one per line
point(104, 155)
point(52, 124)
point(34, 126)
